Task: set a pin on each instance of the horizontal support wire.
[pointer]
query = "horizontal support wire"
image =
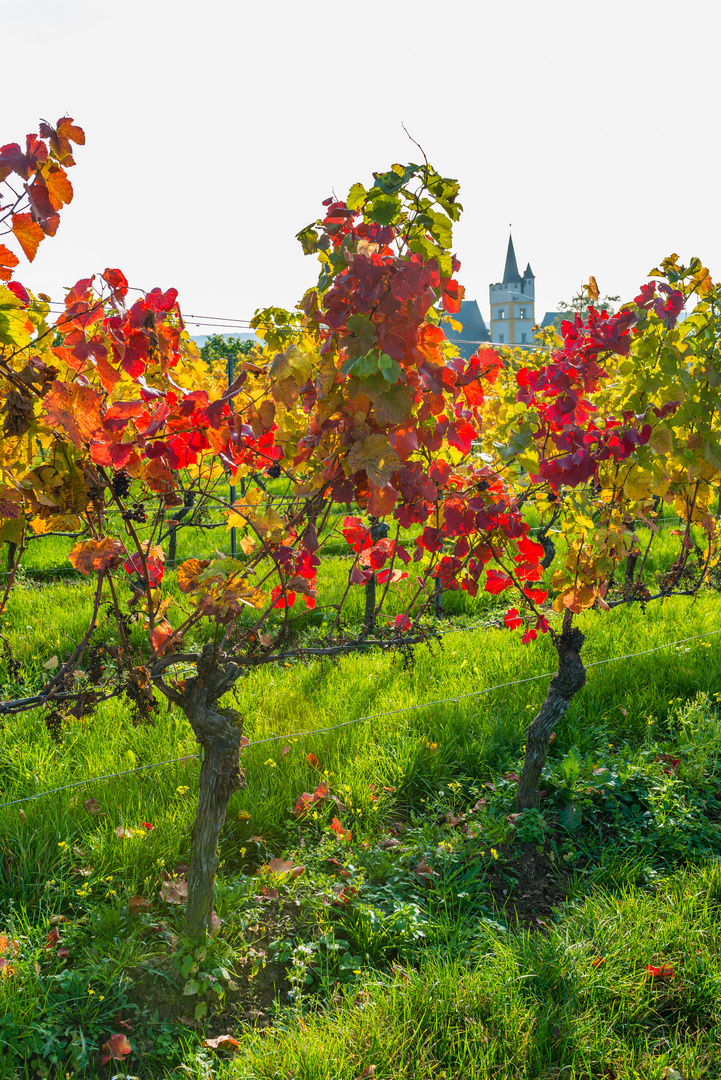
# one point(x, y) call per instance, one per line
point(288, 737)
point(336, 550)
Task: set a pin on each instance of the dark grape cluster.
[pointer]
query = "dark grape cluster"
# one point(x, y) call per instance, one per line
point(273, 471)
point(54, 723)
point(121, 484)
point(138, 514)
point(379, 530)
point(14, 670)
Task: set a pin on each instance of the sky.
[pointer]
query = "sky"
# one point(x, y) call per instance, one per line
point(215, 130)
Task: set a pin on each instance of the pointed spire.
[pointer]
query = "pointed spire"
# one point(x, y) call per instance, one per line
point(528, 273)
point(511, 271)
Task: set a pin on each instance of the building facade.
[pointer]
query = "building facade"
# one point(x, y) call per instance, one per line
point(513, 311)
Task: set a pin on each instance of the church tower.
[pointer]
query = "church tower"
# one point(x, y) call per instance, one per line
point(513, 313)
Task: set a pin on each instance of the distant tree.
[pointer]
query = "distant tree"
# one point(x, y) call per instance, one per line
point(587, 297)
point(219, 349)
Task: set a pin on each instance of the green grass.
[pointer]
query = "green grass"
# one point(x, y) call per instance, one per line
point(421, 977)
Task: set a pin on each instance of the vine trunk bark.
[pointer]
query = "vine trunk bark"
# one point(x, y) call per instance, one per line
point(219, 732)
point(569, 679)
point(369, 615)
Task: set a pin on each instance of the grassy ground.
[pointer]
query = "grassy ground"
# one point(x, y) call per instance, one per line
point(445, 938)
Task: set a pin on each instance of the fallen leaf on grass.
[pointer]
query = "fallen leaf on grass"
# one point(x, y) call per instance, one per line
point(270, 894)
point(424, 873)
point(344, 894)
point(53, 938)
point(226, 1043)
point(281, 866)
point(214, 924)
point(257, 1018)
point(8, 947)
point(21, 815)
point(663, 972)
point(174, 891)
point(81, 871)
point(117, 1047)
point(370, 1070)
point(339, 867)
point(339, 829)
point(306, 800)
point(92, 806)
point(162, 930)
point(312, 761)
point(127, 834)
point(598, 961)
point(138, 903)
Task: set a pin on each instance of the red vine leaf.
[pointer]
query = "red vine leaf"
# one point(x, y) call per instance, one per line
point(117, 1047)
point(8, 262)
point(27, 233)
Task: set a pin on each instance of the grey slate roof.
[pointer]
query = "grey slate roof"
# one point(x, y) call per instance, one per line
point(528, 272)
point(474, 329)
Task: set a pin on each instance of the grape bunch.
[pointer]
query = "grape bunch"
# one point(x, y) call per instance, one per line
point(138, 514)
point(121, 484)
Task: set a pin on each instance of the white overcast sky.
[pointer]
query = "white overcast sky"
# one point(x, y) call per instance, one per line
point(215, 129)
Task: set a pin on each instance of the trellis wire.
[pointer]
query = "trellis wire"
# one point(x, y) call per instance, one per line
point(290, 736)
point(335, 551)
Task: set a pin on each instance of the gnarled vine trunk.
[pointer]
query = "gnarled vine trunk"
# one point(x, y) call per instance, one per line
point(218, 730)
point(369, 614)
point(564, 685)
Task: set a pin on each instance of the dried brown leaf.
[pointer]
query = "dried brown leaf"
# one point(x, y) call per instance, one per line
point(137, 904)
point(225, 1043)
point(174, 891)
